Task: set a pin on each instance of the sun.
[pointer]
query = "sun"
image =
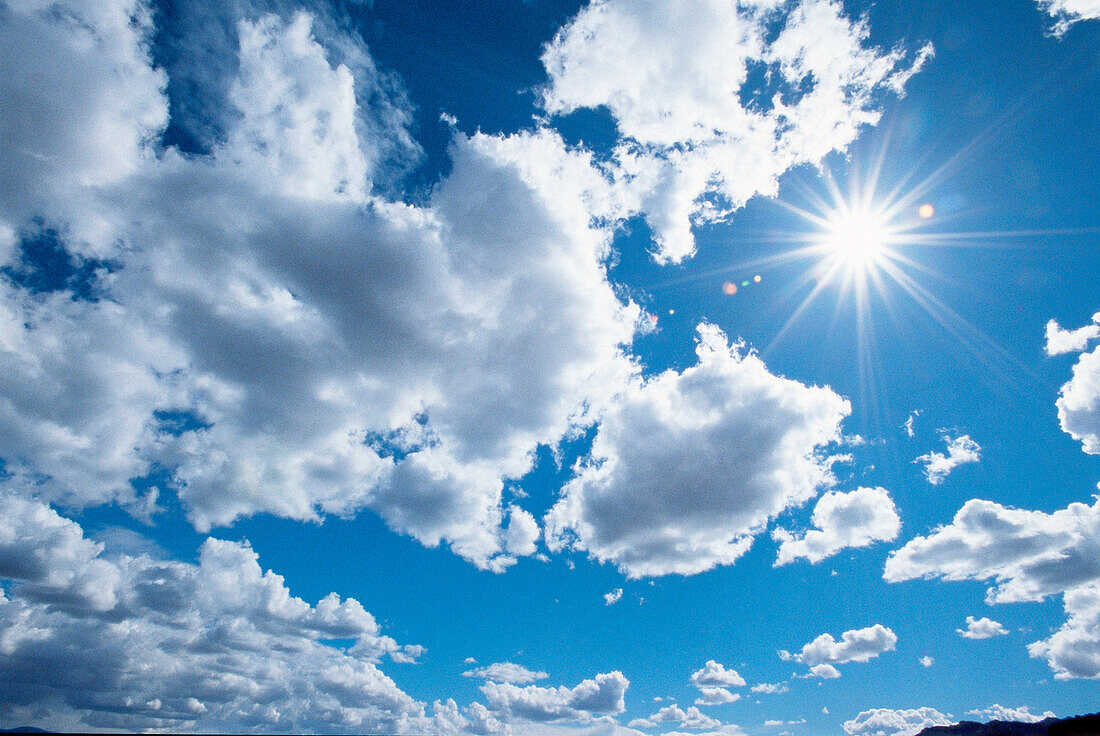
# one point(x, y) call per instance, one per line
point(859, 239)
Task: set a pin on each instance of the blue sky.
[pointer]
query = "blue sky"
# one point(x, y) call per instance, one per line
point(548, 367)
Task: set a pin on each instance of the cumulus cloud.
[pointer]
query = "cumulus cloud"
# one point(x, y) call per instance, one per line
point(927, 661)
point(997, 712)
point(981, 628)
point(137, 642)
point(726, 729)
point(1079, 402)
point(602, 695)
point(333, 351)
point(687, 467)
point(770, 688)
point(610, 599)
point(714, 674)
point(1059, 341)
point(960, 450)
point(856, 645)
point(855, 519)
point(888, 722)
point(713, 681)
point(673, 714)
point(1074, 650)
point(701, 134)
point(506, 672)
point(82, 101)
point(716, 696)
point(824, 671)
point(1068, 12)
point(1029, 555)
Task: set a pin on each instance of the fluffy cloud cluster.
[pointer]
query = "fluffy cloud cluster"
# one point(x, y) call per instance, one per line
point(687, 467)
point(600, 696)
point(1074, 650)
point(888, 722)
point(981, 628)
point(714, 681)
point(81, 102)
point(1068, 12)
point(282, 341)
point(506, 672)
point(1079, 402)
point(715, 99)
point(997, 712)
point(855, 519)
point(673, 714)
point(960, 450)
point(333, 351)
point(137, 642)
point(856, 645)
point(1029, 555)
point(1060, 341)
point(714, 674)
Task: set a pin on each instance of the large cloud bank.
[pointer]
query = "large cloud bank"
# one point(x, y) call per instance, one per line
point(256, 329)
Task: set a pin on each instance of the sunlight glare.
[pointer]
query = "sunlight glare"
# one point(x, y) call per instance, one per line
point(857, 238)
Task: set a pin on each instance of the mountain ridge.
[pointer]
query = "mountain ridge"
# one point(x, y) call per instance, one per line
point(1084, 725)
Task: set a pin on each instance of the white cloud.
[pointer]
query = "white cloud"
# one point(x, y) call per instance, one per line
point(610, 599)
point(702, 135)
point(770, 688)
point(80, 386)
point(1068, 12)
point(691, 718)
point(824, 671)
point(312, 147)
point(927, 661)
point(1029, 555)
point(997, 712)
point(136, 642)
point(960, 450)
point(506, 672)
point(522, 534)
point(911, 422)
point(1074, 650)
point(856, 645)
point(726, 729)
point(602, 695)
point(714, 674)
point(716, 696)
point(888, 722)
point(1079, 402)
point(687, 467)
point(855, 519)
point(342, 352)
point(82, 102)
point(1061, 341)
point(981, 628)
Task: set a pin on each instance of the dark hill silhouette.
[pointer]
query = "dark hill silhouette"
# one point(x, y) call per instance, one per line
point(1076, 726)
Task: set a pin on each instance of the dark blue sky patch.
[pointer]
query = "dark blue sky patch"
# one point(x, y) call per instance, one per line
point(179, 421)
point(196, 44)
point(45, 266)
